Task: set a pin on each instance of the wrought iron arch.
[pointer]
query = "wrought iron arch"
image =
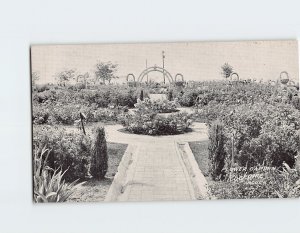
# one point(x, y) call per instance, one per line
point(234, 74)
point(155, 69)
point(83, 77)
point(282, 79)
point(130, 75)
point(179, 74)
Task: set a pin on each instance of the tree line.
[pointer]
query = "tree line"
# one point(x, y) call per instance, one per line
point(104, 73)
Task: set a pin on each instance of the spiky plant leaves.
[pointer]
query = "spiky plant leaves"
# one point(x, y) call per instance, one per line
point(50, 187)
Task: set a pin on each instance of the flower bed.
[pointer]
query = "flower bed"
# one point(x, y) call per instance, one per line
point(69, 150)
point(251, 135)
point(68, 114)
point(157, 125)
point(258, 182)
point(146, 120)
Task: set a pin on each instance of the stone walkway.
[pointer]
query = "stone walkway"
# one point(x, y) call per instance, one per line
point(157, 171)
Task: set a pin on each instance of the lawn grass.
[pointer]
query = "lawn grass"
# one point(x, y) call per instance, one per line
point(95, 190)
point(200, 151)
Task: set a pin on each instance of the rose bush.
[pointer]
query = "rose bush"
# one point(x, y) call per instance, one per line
point(69, 150)
point(68, 114)
point(260, 133)
point(258, 182)
point(158, 106)
point(146, 120)
point(156, 125)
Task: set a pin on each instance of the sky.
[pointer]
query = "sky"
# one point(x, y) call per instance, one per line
point(197, 61)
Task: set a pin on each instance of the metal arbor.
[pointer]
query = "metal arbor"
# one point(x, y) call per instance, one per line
point(131, 83)
point(155, 69)
point(181, 82)
point(179, 75)
point(234, 76)
point(130, 75)
point(284, 77)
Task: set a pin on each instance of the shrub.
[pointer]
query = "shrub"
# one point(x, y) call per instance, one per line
point(216, 150)
point(101, 97)
point(142, 95)
point(170, 95)
point(45, 96)
point(262, 132)
point(188, 97)
point(258, 182)
point(296, 102)
point(42, 87)
point(148, 122)
point(68, 114)
point(157, 106)
point(64, 114)
point(40, 114)
point(69, 150)
point(107, 95)
point(99, 160)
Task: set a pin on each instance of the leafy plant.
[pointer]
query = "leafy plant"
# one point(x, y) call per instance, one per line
point(49, 185)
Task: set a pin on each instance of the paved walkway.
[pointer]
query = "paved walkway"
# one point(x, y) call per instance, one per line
point(157, 171)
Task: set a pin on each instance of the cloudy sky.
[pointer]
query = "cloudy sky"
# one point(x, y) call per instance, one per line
point(195, 60)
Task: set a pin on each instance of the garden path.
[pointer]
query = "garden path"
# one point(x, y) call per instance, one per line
point(157, 171)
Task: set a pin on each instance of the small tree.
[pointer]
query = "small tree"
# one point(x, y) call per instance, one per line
point(99, 160)
point(106, 71)
point(64, 77)
point(226, 70)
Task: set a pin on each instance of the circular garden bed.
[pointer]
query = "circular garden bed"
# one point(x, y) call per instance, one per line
point(148, 118)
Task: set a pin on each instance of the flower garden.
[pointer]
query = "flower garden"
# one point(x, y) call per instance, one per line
point(253, 145)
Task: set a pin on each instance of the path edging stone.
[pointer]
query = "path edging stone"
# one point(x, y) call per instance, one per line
point(186, 172)
point(197, 178)
point(119, 180)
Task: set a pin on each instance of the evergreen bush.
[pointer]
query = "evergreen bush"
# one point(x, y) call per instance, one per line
point(216, 150)
point(99, 160)
point(142, 95)
point(170, 95)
